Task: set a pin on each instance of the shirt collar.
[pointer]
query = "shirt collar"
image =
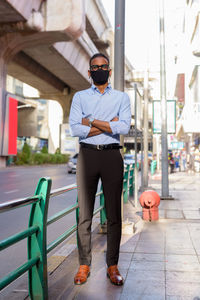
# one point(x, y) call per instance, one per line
point(107, 89)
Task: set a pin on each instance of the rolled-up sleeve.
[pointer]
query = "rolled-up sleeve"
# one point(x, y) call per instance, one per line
point(123, 125)
point(75, 119)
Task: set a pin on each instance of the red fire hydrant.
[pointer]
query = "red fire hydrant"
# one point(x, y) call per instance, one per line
point(150, 201)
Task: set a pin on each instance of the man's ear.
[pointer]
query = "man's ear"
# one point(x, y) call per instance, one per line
point(89, 74)
point(110, 72)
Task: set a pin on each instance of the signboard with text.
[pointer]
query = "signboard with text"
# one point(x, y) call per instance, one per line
point(171, 116)
point(69, 144)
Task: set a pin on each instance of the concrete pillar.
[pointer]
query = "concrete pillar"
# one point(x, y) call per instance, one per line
point(65, 101)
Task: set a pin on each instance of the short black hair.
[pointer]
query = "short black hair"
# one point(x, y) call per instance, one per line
point(99, 55)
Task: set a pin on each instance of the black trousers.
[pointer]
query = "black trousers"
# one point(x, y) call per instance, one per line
point(93, 165)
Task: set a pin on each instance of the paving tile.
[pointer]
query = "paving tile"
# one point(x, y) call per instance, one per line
point(179, 298)
point(146, 236)
point(172, 249)
point(183, 243)
point(152, 243)
point(128, 247)
point(198, 250)
point(148, 257)
point(129, 238)
point(182, 258)
point(195, 238)
point(182, 263)
point(135, 296)
point(169, 204)
point(140, 275)
point(191, 290)
point(161, 213)
point(178, 232)
point(191, 214)
point(183, 277)
point(98, 288)
point(174, 214)
point(144, 288)
point(125, 260)
point(150, 248)
point(147, 265)
point(125, 256)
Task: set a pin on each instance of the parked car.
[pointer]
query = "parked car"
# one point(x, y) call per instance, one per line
point(129, 159)
point(71, 165)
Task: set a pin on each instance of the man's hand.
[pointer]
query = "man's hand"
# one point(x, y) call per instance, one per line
point(85, 121)
point(115, 119)
point(93, 131)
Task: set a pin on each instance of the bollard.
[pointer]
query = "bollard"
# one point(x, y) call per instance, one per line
point(150, 201)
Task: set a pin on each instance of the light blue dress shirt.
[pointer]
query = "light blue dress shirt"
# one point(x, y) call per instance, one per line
point(104, 107)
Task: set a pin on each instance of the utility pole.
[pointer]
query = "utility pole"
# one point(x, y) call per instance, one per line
point(146, 130)
point(119, 55)
point(136, 170)
point(119, 45)
point(165, 180)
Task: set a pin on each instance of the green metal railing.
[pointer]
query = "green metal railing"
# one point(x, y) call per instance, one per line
point(129, 181)
point(153, 166)
point(36, 233)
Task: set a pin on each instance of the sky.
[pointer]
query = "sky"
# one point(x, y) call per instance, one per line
point(142, 39)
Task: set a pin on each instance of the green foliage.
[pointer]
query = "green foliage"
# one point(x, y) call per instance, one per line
point(57, 151)
point(26, 157)
point(44, 149)
point(40, 158)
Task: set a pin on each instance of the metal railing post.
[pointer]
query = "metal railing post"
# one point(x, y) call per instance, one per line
point(37, 245)
point(103, 211)
point(131, 180)
point(77, 218)
point(125, 185)
point(153, 166)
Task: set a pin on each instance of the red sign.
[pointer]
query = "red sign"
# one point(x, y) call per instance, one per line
point(12, 126)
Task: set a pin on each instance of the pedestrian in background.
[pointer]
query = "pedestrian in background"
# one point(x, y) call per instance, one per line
point(177, 161)
point(191, 162)
point(183, 160)
point(171, 162)
point(98, 116)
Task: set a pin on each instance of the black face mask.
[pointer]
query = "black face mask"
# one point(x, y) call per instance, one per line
point(100, 76)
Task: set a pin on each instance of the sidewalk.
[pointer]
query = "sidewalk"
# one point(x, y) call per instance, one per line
point(159, 261)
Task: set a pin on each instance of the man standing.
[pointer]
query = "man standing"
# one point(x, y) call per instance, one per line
point(98, 116)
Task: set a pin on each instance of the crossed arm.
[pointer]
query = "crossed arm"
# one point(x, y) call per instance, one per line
point(98, 126)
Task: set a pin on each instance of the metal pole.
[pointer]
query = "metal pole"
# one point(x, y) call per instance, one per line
point(158, 151)
point(119, 45)
point(142, 164)
point(136, 170)
point(146, 127)
point(119, 49)
point(165, 180)
point(119, 54)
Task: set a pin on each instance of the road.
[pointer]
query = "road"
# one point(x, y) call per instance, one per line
point(20, 182)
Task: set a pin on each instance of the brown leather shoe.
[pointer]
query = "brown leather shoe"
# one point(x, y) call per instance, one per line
point(82, 274)
point(114, 275)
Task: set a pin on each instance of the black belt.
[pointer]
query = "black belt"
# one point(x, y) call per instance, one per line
point(101, 147)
